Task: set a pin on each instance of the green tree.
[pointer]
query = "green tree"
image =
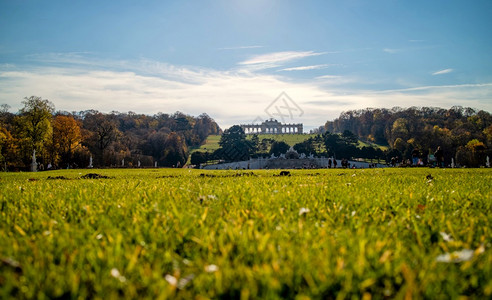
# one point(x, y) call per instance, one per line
point(400, 145)
point(175, 153)
point(255, 144)
point(279, 147)
point(233, 143)
point(307, 147)
point(349, 137)
point(198, 158)
point(35, 121)
point(399, 129)
point(332, 143)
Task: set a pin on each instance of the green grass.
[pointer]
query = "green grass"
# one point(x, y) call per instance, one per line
point(290, 139)
point(212, 142)
point(176, 234)
point(361, 144)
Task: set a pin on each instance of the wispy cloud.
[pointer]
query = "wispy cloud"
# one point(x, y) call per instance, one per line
point(241, 47)
point(409, 48)
point(229, 96)
point(439, 87)
point(305, 68)
point(391, 50)
point(275, 59)
point(334, 80)
point(445, 71)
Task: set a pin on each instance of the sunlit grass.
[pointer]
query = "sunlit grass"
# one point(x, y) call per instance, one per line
point(212, 142)
point(178, 233)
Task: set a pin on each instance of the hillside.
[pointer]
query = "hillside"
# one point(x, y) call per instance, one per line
point(212, 142)
point(464, 134)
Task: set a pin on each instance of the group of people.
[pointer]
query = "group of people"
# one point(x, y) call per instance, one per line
point(332, 161)
point(344, 163)
point(419, 161)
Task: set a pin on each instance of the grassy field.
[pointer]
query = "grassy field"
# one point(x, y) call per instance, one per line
point(212, 142)
point(191, 234)
point(290, 139)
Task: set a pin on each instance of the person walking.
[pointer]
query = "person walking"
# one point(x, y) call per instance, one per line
point(415, 156)
point(439, 155)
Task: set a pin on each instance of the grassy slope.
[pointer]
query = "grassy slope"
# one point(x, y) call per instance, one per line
point(212, 142)
point(174, 233)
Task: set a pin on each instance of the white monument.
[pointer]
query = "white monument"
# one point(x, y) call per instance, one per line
point(34, 164)
point(90, 163)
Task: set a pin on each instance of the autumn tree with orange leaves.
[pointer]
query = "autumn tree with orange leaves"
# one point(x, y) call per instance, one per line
point(66, 138)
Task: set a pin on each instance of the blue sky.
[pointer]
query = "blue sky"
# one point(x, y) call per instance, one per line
point(231, 59)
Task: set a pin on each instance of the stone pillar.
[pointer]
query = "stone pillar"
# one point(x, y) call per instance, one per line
point(34, 164)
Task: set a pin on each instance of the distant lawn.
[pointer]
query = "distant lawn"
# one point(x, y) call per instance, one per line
point(212, 142)
point(290, 139)
point(368, 144)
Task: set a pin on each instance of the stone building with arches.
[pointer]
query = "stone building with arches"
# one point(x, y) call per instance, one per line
point(272, 126)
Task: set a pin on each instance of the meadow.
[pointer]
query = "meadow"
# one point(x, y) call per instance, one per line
point(212, 142)
point(194, 234)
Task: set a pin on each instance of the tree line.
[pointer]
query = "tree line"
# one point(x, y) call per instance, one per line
point(406, 135)
point(69, 139)
point(464, 134)
point(63, 139)
point(235, 145)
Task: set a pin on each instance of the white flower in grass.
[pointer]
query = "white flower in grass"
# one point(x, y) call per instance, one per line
point(184, 281)
point(171, 280)
point(303, 211)
point(116, 274)
point(211, 268)
point(456, 256)
point(446, 237)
